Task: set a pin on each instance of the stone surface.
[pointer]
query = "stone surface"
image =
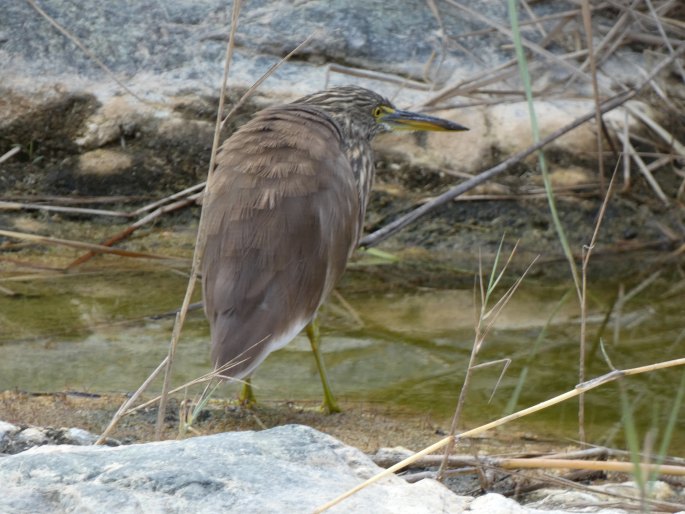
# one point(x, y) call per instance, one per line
point(171, 54)
point(292, 468)
point(593, 499)
point(7, 432)
point(104, 162)
point(185, 39)
point(16, 439)
point(287, 469)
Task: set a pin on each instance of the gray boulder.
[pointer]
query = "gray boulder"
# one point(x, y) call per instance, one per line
point(289, 469)
point(16, 439)
point(286, 469)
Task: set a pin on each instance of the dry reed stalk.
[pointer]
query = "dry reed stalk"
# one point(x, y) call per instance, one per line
point(391, 228)
point(348, 309)
point(570, 481)
point(18, 206)
point(664, 38)
point(8, 154)
point(375, 75)
point(534, 47)
point(571, 192)
point(582, 296)
point(534, 19)
point(587, 25)
point(503, 71)
point(6, 291)
point(121, 412)
point(444, 39)
point(613, 38)
point(487, 316)
point(266, 75)
point(598, 453)
point(81, 245)
point(180, 194)
point(217, 374)
point(120, 236)
point(73, 200)
point(200, 240)
point(549, 17)
point(587, 465)
point(643, 168)
point(126, 408)
point(579, 389)
point(664, 134)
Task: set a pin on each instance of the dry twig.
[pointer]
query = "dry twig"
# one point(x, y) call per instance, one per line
point(579, 389)
point(398, 224)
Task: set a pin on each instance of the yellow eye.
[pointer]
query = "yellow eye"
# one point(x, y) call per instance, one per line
point(377, 112)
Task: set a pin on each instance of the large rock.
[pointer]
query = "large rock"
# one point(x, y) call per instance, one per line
point(291, 468)
point(59, 101)
point(185, 39)
point(286, 469)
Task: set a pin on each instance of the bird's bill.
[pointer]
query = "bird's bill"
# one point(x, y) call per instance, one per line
point(406, 120)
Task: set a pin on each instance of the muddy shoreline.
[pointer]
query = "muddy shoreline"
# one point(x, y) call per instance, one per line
point(635, 230)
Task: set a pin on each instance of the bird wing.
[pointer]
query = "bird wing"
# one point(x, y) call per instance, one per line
point(282, 219)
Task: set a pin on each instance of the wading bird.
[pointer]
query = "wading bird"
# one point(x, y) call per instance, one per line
point(284, 212)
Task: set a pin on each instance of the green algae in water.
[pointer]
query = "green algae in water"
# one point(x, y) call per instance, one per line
point(101, 332)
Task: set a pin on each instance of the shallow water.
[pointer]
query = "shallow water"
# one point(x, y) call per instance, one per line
point(97, 332)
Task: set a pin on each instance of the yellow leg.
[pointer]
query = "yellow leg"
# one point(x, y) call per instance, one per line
point(329, 404)
point(247, 397)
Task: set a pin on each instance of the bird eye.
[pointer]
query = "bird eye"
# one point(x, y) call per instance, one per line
point(377, 112)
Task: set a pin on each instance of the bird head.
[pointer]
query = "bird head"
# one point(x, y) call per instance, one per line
point(394, 120)
point(362, 112)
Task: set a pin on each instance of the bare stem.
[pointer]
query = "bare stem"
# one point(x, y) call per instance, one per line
point(200, 240)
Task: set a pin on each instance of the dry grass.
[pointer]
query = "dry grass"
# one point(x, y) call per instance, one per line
point(445, 442)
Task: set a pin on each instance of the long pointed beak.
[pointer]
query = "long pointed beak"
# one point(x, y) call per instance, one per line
point(407, 120)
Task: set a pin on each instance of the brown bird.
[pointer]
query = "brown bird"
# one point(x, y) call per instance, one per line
point(284, 212)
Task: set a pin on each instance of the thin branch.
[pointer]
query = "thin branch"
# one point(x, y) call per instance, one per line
point(643, 168)
point(10, 153)
point(266, 75)
point(120, 236)
point(200, 240)
point(587, 24)
point(18, 206)
point(180, 194)
point(34, 238)
point(398, 224)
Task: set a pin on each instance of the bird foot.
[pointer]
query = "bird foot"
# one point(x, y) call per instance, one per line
point(247, 398)
point(330, 406)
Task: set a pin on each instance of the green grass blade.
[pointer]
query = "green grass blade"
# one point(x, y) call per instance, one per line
point(632, 439)
point(672, 420)
point(525, 79)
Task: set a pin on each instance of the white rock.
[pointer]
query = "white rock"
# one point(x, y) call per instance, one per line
point(285, 469)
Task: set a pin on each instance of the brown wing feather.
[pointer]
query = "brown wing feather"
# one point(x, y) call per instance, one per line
point(282, 218)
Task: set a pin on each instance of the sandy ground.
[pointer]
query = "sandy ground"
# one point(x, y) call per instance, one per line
point(367, 427)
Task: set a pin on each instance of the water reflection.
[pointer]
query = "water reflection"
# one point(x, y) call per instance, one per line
point(98, 333)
